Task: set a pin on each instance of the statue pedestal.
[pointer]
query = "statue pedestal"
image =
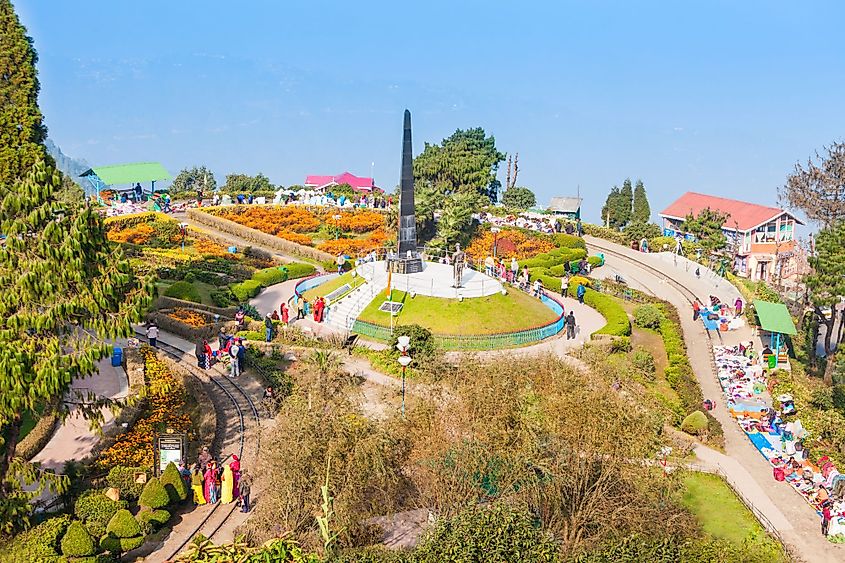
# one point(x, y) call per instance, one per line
point(413, 265)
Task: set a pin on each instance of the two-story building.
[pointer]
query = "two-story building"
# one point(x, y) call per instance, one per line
point(763, 238)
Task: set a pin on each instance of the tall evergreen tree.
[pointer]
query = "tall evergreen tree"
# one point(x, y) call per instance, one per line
point(63, 287)
point(827, 286)
point(626, 201)
point(22, 132)
point(641, 212)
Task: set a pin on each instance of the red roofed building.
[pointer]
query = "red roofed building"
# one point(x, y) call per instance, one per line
point(325, 182)
point(764, 237)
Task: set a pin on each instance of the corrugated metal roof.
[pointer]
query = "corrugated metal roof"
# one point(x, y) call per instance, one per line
point(565, 204)
point(129, 173)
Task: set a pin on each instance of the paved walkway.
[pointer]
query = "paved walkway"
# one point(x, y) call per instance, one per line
point(74, 440)
point(743, 466)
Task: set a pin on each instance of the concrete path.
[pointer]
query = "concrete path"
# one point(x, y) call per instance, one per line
point(74, 440)
point(795, 521)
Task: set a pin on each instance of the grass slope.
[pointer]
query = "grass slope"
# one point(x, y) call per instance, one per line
point(480, 315)
point(720, 512)
point(331, 285)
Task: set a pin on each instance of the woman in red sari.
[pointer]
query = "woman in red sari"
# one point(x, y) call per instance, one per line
point(285, 314)
point(318, 309)
point(235, 466)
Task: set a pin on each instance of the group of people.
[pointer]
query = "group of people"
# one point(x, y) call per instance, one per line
point(548, 224)
point(228, 346)
point(212, 482)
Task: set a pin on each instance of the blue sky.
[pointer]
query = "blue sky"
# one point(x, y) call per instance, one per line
point(717, 97)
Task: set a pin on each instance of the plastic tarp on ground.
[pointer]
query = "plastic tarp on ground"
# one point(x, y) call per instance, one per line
point(129, 173)
point(774, 317)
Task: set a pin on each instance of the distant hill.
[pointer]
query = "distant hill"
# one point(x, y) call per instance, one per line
point(71, 167)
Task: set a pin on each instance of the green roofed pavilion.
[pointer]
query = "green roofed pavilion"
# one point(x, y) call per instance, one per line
point(774, 317)
point(101, 177)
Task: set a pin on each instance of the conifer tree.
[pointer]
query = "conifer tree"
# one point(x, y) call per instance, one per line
point(641, 210)
point(64, 288)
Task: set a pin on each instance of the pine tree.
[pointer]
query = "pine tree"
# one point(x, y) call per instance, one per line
point(641, 210)
point(63, 287)
point(22, 132)
point(626, 202)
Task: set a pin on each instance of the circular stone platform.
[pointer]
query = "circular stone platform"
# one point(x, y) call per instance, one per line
point(434, 281)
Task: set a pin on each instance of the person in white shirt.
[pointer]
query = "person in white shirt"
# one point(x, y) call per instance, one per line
point(233, 364)
point(152, 335)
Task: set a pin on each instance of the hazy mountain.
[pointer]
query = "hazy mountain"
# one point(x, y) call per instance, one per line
point(72, 167)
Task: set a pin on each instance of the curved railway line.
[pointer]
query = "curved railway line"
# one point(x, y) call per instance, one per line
point(233, 404)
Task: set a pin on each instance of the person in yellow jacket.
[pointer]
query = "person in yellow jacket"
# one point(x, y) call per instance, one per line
point(197, 485)
point(228, 484)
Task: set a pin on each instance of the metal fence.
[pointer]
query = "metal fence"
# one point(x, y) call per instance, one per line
point(458, 342)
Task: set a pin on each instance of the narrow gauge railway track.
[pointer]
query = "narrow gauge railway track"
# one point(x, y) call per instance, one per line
point(685, 292)
point(237, 407)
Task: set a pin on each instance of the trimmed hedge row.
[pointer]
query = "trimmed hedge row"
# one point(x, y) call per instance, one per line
point(183, 290)
point(257, 237)
point(618, 323)
point(248, 289)
point(40, 434)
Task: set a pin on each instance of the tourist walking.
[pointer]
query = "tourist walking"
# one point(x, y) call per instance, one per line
point(268, 326)
point(340, 262)
point(244, 486)
point(514, 269)
point(579, 228)
point(222, 338)
point(199, 352)
point(235, 464)
point(234, 368)
point(738, 306)
point(227, 481)
point(196, 485)
point(570, 325)
point(239, 317)
point(580, 292)
point(152, 334)
point(826, 517)
point(241, 356)
point(203, 458)
point(285, 314)
point(300, 308)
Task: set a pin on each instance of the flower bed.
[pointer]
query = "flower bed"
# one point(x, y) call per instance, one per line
point(165, 409)
point(188, 317)
point(510, 243)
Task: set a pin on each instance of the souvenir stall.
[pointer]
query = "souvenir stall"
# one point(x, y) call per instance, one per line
point(774, 426)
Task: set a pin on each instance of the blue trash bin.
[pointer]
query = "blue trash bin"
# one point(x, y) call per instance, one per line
point(117, 357)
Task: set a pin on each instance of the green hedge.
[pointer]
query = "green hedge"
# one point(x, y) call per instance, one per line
point(270, 276)
point(96, 509)
point(152, 520)
point(616, 317)
point(246, 290)
point(154, 495)
point(173, 483)
point(299, 270)
point(183, 290)
point(569, 241)
point(122, 478)
point(41, 543)
point(123, 533)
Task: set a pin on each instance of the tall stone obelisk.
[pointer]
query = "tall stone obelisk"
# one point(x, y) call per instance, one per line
point(407, 260)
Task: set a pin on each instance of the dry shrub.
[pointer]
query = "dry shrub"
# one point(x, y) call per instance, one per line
point(319, 427)
point(539, 432)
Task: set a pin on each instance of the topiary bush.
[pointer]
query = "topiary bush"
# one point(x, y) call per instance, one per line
point(270, 276)
point(77, 542)
point(695, 423)
point(647, 316)
point(299, 270)
point(122, 478)
point(154, 495)
point(123, 533)
point(173, 484)
point(96, 509)
point(564, 240)
point(152, 520)
point(246, 289)
point(40, 543)
point(609, 308)
point(183, 290)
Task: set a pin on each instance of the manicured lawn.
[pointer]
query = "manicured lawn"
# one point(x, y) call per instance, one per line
point(480, 315)
point(720, 512)
point(331, 285)
point(203, 288)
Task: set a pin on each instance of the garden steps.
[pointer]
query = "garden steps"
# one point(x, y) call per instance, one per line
point(343, 313)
